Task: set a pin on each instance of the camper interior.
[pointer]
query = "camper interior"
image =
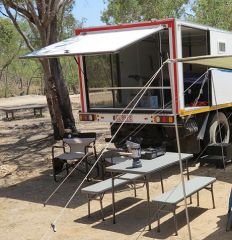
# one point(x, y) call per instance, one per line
point(115, 79)
point(119, 77)
point(196, 88)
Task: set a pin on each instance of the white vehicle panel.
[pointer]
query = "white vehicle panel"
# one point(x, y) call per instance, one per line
point(179, 66)
point(95, 43)
point(221, 86)
point(217, 37)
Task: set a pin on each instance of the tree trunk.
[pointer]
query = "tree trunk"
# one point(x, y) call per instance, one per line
point(42, 15)
point(56, 91)
point(62, 94)
point(52, 100)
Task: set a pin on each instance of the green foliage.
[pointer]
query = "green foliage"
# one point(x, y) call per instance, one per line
point(98, 70)
point(9, 40)
point(25, 76)
point(70, 72)
point(120, 11)
point(216, 13)
point(67, 22)
point(16, 76)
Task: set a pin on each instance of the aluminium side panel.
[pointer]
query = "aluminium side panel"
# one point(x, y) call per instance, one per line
point(179, 65)
point(221, 86)
point(221, 43)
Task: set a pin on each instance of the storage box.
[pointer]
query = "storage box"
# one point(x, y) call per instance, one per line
point(215, 149)
point(214, 154)
point(150, 153)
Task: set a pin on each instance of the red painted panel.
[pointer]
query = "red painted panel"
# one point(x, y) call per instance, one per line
point(170, 23)
point(81, 85)
point(174, 64)
point(124, 26)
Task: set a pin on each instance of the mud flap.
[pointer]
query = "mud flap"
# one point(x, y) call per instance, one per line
point(201, 133)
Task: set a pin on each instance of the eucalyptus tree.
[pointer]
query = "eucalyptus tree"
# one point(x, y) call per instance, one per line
point(120, 11)
point(45, 19)
point(216, 13)
point(10, 47)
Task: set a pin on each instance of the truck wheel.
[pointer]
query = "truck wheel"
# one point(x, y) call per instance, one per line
point(219, 123)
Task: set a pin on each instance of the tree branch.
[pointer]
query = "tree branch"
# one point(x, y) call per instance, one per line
point(55, 5)
point(4, 14)
point(33, 13)
point(45, 18)
point(18, 8)
point(14, 20)
point(10, 60)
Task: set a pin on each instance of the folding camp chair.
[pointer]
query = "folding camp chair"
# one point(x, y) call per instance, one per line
point(229, 215)
point(79, 149)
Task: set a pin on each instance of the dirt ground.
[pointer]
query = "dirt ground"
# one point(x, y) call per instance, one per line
point(26, 182)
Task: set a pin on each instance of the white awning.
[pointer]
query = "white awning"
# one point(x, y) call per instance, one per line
point(218, 61)
point(95, 43)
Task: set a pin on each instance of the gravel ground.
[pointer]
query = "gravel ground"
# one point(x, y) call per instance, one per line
point(26, 181)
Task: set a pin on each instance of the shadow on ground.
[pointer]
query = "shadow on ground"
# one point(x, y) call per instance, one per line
point(140, 219)
point(125, 208)
point(39, 188)
point(167, 227)
point(220, 232)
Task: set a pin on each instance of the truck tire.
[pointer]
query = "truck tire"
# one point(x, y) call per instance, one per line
point(219, 121)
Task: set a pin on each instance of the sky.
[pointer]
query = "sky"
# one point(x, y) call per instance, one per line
point(91, 10)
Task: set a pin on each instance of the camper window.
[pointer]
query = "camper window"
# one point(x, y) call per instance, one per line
point(114, 80)
point(221, 47)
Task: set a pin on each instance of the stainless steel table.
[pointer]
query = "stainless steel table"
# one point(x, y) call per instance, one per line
point(148, 167)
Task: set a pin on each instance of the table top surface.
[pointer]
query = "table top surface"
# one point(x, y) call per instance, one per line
point(71, 155)
point(192, 186)
point(149, 166)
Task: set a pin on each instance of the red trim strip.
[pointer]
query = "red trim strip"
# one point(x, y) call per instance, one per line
point(175, 65)
point(81, 84)
point(124, 26)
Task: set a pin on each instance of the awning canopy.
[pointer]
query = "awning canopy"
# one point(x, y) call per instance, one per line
point(95, 43)
point(217, 61)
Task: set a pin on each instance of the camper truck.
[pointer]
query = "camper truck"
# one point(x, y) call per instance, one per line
point(116, 62)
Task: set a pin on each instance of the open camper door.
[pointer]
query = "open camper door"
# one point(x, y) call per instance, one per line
point(101, 42)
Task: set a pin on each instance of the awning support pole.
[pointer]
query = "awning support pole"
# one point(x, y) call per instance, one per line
point(174, 97)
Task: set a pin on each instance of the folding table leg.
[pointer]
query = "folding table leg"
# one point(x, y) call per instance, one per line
point(175, 222)
point(212, 195)
point(161, 181)
point(113, 199)
point(101, 197)
point(135, 192)
point(88, 205)
point(158, 218)
point(148, 201)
